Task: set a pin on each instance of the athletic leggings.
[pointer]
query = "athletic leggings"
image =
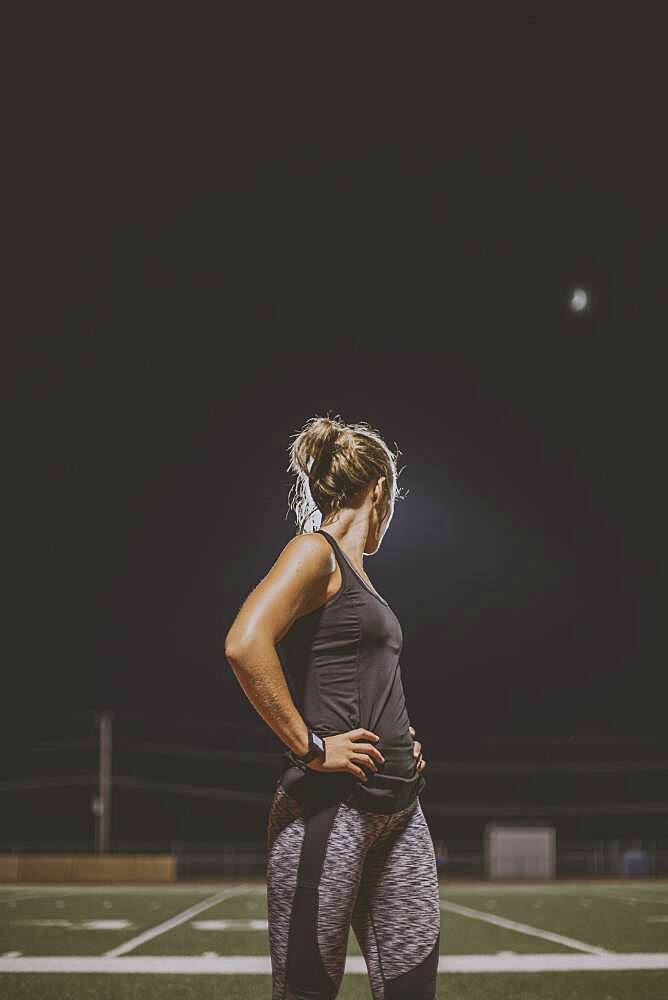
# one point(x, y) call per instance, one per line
point(333, 866)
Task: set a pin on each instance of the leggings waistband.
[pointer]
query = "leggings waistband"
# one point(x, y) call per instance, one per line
point(383, 793)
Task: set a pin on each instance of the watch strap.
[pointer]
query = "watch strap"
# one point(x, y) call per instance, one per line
point(316, 748)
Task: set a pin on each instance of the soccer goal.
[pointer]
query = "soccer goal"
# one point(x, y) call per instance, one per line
point(520, 851)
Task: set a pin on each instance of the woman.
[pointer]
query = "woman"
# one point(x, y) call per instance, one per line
point(316, 649)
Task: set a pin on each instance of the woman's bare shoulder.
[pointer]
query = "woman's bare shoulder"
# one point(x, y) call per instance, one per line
point(296, 582)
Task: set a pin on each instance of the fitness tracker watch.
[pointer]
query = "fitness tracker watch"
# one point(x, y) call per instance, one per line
point(316, 748)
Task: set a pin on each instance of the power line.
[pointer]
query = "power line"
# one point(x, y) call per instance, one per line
point(271, 758)
point(261, 798)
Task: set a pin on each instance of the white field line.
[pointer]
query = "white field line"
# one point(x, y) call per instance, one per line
point(79, 925)
point(514, 925)
point(107, 890)
point(178, 918)
point(121, 888)
point(355, 964)
point(231, 925)
point(633, 899)
point(34, 895)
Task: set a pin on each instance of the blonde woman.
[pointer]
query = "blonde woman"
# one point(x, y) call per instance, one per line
point(316, 649)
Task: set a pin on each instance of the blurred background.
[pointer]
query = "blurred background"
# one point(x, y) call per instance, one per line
point(215, 237)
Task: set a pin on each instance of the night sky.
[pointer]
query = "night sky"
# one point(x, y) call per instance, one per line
point(219, 234)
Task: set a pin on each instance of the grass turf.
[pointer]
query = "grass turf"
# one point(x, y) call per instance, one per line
point(622, 916)
point(507, 986)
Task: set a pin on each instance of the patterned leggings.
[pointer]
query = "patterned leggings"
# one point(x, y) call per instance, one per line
point(335, 866)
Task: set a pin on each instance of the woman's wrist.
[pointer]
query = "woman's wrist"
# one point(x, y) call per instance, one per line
point(315, 748)
point(300, 744)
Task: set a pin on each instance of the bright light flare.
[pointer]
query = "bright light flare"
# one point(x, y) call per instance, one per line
point(579, 300)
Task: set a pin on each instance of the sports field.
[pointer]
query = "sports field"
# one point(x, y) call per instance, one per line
point(552, 941)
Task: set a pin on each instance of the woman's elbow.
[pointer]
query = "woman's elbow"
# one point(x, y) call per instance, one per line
point(240, 647)
point(234, 647)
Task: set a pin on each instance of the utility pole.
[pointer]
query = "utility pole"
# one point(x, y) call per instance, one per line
point(102, 804)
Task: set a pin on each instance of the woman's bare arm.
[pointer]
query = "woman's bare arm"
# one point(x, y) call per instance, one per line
point(295, 585)
point(260, 673)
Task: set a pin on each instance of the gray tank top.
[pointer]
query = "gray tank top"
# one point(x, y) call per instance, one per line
point(341, 663)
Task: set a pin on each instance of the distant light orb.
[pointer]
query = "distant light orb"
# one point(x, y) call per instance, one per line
point(579, 300)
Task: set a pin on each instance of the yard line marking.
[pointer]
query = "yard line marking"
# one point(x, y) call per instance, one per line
point(11, 954)
point(553, 963)
point(106, 925)
point(178, 918)
point(166, 889)
point(355, 964)
point(33, 895)
point(43, 923)
point(231, 925)
point(514, 925)
point(95, 889)
point(634, 899)
point(80, 925)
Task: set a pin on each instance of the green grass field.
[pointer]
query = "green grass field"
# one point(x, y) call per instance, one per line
point(499, 941)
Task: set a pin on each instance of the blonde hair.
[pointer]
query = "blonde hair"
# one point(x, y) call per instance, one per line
point(336, 463)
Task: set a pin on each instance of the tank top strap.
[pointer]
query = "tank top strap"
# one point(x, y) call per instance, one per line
point(349, 578)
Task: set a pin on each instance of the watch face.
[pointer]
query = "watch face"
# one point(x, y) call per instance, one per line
point(318, 742)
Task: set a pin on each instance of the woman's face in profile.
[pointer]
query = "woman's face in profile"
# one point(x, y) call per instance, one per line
point(388, 517)
point(382, 529)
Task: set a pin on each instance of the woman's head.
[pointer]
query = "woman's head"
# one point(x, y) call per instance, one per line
point(341, 466)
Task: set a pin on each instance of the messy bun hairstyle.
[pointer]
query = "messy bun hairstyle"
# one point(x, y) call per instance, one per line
point(336, 463)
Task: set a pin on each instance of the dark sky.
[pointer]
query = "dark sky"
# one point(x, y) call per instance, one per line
point(220, 232)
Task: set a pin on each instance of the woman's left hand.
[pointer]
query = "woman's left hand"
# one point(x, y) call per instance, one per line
point(417, 753)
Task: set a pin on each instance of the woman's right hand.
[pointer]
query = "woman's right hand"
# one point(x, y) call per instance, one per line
point(346, 751)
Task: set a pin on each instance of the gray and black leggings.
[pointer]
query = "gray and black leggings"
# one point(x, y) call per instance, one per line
point(333, 866)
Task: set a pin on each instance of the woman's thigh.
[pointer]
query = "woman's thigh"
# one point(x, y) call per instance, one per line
point(314, 866)
point(397, 914)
